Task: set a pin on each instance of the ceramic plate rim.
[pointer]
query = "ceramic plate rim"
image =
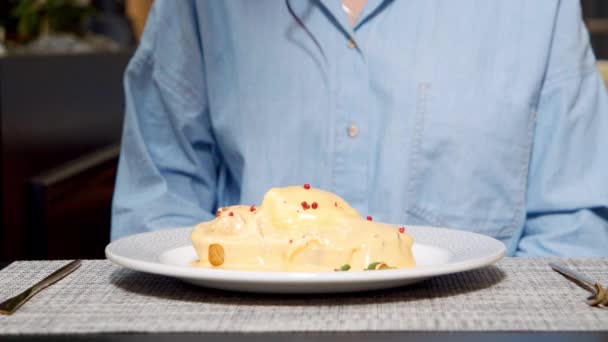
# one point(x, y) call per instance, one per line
point(262, 277)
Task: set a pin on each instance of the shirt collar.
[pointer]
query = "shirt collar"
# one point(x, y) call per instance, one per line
point(339, 18)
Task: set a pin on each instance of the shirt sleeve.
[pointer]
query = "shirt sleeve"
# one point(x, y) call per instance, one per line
point(567, 197)
point(167, 171)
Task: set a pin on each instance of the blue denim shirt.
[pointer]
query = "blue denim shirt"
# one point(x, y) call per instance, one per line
point(487, 116)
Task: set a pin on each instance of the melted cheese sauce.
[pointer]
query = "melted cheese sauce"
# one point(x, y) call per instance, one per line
point(300, 230)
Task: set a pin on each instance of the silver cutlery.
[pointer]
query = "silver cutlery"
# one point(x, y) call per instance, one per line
point(599, 295)
point(12, 304)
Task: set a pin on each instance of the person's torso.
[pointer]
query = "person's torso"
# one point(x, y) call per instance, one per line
point(428, 119)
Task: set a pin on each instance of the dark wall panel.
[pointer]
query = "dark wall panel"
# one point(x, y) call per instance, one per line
point(53, 109)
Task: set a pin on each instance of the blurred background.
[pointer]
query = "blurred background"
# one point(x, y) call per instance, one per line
point(61, 110)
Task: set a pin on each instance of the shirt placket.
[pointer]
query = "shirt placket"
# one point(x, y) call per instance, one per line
point(352, 136)
point(352, 104)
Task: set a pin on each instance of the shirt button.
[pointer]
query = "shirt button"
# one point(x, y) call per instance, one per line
point(352, 131)
point(351, 44)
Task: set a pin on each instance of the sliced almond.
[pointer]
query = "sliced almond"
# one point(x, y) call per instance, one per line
point(216, 254)
point(382, 266)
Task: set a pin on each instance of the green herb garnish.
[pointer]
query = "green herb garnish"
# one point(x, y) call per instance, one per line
point(343, 268)
point(378, 265)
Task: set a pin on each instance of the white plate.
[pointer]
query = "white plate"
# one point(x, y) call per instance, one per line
point(437, 251)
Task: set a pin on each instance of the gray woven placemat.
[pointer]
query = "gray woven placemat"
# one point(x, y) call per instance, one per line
point(514, 295)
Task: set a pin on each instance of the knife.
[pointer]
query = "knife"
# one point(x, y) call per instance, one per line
point(12, 304)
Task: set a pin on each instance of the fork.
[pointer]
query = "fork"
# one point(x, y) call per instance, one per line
point(599, 295)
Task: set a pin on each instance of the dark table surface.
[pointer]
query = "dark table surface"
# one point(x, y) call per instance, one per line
point(346, 337)
point(350, 337)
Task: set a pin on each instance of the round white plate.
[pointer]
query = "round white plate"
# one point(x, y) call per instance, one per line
point(437, 251)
